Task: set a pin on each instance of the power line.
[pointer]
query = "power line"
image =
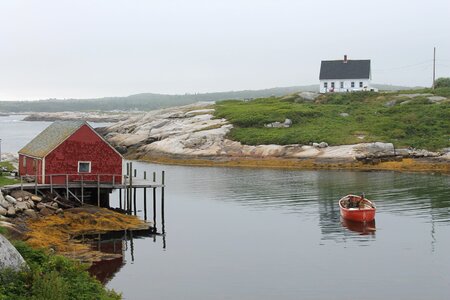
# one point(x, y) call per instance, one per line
point(404, 67)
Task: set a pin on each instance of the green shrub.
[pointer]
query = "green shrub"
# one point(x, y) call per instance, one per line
point(443, 82)
point(419, 123)
point(50, 277)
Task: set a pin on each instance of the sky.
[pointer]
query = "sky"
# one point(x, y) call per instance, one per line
point(97, 48)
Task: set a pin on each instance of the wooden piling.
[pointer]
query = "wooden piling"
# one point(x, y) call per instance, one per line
point(98, 190)
point(120, 198)
point(82, 190)
point(130, 187)
point(145, 198)
point(154, 208)
point(67, 186)
point(145, 204)
point(134, 201)
point(162, 202)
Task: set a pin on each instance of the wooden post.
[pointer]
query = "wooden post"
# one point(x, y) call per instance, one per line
point(145, 204)
point(35, 176)
point(127, 205)
point(135, 172)
point(162, 203)
point(145, 198)
point(130, 188)
point(154, 176)
point(120, 198)
point(67, 186)
point(134, 201)
point(51, 184)
point(82, 190)
point(154, 208)
point(21, 183)
point(98, 190)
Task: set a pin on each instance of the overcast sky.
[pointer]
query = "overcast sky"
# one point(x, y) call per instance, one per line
point(92, 48)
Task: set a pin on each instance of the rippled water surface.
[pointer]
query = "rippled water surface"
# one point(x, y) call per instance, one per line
point(275, 234)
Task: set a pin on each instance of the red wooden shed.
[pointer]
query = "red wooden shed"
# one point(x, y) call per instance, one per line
point(70, 151)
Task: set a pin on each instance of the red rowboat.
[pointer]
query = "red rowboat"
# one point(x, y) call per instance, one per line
point(364, 212)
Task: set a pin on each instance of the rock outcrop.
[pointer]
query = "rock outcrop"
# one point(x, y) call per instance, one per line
point(10, 258)
point(192, 132)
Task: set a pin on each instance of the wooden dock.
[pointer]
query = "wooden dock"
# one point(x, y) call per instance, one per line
point(86, 188)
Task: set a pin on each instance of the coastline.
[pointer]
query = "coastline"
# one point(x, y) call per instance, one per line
point(426, 165)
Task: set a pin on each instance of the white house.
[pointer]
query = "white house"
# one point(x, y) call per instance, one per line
point(345, 75)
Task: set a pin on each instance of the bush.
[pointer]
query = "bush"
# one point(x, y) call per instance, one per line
point(442, 82)
point(50, 277)
point(418, 123)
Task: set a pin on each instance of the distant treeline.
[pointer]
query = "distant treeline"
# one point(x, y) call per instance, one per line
point(147, 101)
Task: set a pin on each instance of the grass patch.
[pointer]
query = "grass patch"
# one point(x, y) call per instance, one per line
point(50, 277)
point(418, 123)
point(9, 168)
point(7, 181)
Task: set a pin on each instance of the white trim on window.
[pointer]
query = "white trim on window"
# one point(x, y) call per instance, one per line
point(84, 162)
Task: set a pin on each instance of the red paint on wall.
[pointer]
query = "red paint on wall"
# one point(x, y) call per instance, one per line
point(85, 146)
point(30, 166)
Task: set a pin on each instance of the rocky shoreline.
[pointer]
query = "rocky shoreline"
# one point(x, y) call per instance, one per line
point(105, 117)
point(190, 135)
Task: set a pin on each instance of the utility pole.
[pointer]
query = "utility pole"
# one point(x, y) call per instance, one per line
point(434, 67)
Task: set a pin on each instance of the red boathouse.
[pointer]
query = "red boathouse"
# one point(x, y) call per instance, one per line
point(70, 151)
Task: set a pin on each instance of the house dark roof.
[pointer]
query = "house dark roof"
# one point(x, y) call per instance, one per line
point(352, 69)
point(50, 138)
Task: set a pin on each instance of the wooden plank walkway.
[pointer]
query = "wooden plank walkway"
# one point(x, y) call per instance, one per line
point(137, 183)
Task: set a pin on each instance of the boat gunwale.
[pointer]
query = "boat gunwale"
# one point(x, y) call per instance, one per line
point(358, 209)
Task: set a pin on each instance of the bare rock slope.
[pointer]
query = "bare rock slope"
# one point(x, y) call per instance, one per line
point(191, 131)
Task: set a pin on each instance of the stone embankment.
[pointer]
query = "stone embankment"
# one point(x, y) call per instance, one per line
point(191, 135)
point(24, 204)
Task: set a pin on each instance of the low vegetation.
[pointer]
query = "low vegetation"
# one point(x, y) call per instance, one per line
point(50, 277)
point(5, 168)
point(344, 119)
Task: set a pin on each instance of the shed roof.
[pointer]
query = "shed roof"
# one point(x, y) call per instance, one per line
point(50, 138)
point(339, 69)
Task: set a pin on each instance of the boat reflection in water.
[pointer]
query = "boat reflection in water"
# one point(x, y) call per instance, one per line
point(364, 228)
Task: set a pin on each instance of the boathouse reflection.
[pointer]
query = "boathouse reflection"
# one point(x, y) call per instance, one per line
point(114, 245)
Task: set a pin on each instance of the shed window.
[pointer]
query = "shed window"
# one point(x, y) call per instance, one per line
point(342, 84)
point(24, 162)
point(325, 85)
point(353, 84)
point(332, 84)
point(360, 84)
point(84, 167)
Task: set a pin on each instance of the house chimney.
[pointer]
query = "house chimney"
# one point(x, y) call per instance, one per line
point(345, 58)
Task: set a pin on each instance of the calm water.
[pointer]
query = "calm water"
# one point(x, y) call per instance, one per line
point(276, 234)
point(16, 133)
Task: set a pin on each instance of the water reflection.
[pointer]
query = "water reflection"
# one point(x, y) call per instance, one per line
point(115, 244)
point(363, 228)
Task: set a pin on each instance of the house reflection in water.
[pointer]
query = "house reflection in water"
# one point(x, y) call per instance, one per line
point(114, 245)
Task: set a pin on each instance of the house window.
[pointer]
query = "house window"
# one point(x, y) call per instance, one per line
point(353, 84)
point(332, 85)
point(325, 85)
point(84, 167)
point(342, 84)
point(360, 84)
